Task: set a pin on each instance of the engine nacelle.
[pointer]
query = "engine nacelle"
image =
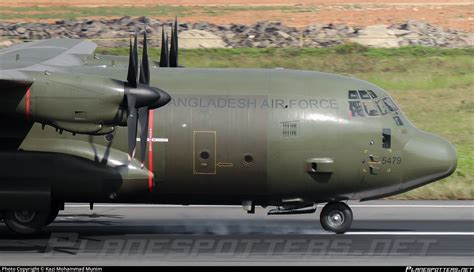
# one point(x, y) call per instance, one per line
point(79, 103)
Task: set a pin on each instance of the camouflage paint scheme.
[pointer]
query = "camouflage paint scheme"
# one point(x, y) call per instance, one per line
point(271, 136)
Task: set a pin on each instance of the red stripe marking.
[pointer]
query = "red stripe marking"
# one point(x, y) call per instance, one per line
point(150, 151)
point(28, 109)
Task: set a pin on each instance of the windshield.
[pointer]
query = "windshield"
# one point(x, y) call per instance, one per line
point(381, 106)
point(356, 108)
point(366, 103)
point(389, 103)
point(370, 108)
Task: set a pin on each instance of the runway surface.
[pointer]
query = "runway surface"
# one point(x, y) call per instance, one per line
point(383, 233)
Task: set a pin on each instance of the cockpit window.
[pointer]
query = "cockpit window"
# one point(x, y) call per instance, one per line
point(364, 95)
point(372, 94)
point(370, 108)
point(367, 103)
point(390, 105)
point(386, 138)
point(381, 106)
point(356, 108)
point(398, 121)
point(353, 94)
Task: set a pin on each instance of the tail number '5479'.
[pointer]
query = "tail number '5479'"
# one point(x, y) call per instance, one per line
point(391, 160)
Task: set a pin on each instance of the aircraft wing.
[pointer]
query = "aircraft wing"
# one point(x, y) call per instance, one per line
point(52, 53)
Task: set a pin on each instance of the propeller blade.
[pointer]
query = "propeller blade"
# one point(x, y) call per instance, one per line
point(174, 45)
point(131, 75)
point(164, 56)
point(145, 69)
point(135, 55)
point(143, 121)
point(132, 126)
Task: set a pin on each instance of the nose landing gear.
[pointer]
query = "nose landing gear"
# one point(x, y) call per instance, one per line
point(336, 217)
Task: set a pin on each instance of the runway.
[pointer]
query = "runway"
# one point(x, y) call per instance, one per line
point(383, 233)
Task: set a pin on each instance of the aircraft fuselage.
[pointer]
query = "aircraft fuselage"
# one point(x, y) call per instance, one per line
point(232, 135)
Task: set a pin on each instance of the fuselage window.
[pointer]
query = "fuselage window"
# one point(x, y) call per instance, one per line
point(364, 95)
point(372, 94)
point(370, 108)
point(356, 108)
point(398, 121)
point(353, 94)
point(248, 158)
point(386, 138)
point(204, 155)
point(389, 103)
point(381, 106)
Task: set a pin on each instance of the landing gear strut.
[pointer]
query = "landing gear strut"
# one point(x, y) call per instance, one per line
point(336, 217)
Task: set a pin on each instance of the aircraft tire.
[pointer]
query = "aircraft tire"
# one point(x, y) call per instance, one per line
point(336, 217)
point(52, 215)
point(26, 222)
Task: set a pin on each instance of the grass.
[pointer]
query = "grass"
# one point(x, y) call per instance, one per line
point(433, 86)
point(72, 12)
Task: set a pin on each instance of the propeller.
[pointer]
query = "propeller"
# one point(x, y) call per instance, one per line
point(169, 57)
point(140, 97)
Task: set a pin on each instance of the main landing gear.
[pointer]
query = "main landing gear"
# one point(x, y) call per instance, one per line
point(336, 217)
point(29, 221)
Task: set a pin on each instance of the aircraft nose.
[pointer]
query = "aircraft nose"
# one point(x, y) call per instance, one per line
point(427, 158)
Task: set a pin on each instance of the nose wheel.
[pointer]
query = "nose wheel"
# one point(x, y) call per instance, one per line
point(336, 217)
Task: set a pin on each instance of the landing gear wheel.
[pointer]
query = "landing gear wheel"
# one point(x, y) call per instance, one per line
point(336, 217)
point(26, 221)
point(52, 216)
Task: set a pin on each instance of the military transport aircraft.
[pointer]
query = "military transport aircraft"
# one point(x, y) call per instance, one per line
point(71, 120)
